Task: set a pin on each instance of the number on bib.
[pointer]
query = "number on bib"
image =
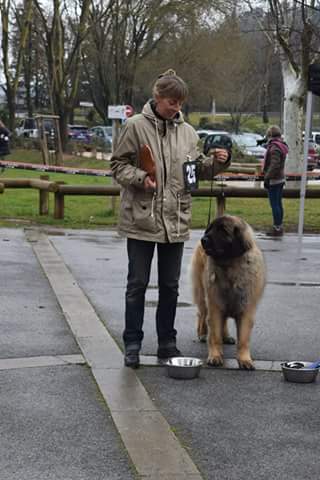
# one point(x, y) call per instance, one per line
point(190, 175)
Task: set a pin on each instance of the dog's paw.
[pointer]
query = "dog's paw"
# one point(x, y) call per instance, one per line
point(229, 340)
point(215, 361)
point(246, 364)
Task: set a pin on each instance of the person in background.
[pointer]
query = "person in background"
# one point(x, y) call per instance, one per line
point(4, 140)
point(274, 176)
point(155, 209)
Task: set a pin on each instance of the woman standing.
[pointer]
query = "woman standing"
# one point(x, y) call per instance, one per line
point(155, 207)
point(274, 176)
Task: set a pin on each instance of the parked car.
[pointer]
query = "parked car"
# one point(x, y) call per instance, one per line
point(79, 133)
point(27, 128)
point(313, 156)
point(247, 145)
point(216, 139)
point(204, 133)
point(102, 133)
point(314, 137)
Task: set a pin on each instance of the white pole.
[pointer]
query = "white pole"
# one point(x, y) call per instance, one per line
point(115, 139)
point(304, 170)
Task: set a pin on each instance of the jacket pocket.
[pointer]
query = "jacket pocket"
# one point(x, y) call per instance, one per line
point(184, 213)
point(144, 212)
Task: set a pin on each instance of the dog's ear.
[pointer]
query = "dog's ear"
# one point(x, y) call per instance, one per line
point(241, 243)
point(209, 227)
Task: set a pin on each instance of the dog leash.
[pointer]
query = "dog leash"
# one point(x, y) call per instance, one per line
point(211, 190)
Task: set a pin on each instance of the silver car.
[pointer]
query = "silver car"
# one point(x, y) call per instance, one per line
point(102, 133)
point(247, 144)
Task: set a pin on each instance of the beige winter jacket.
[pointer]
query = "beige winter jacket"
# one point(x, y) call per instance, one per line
point(163, 215)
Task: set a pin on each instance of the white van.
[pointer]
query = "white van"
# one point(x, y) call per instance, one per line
point(315, 137)
point(27, 128)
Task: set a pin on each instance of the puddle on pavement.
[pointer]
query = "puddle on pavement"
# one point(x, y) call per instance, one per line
point(105, 241)
point(56, 233)
point(154, 303)
point(295, 284)
point(270, 250)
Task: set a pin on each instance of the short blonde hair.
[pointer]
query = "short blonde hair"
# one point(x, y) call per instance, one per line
point(169, 85)
point(274, 131)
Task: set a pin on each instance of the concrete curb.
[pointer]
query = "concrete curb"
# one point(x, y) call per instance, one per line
point(154, 449)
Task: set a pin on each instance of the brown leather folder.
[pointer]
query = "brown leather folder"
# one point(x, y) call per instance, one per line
point(147, 162)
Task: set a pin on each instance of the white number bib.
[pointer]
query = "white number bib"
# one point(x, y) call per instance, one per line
point(190, 175)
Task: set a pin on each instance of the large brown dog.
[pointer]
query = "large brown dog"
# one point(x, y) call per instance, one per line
point(228, 279)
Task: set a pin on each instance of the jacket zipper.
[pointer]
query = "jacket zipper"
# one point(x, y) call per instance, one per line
point(179, 210)
point(152, 204)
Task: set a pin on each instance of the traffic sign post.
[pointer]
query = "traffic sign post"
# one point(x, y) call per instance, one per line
point(118, 114)
point(313, 89)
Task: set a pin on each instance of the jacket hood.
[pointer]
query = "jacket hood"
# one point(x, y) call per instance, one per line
point(148, 113)
point(283, 147)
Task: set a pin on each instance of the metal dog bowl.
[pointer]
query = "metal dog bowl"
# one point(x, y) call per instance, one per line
point(184, 367)
point(299, 372)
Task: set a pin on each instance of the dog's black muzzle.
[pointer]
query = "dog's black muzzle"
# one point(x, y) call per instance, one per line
point(212, 249)
point(206, 243)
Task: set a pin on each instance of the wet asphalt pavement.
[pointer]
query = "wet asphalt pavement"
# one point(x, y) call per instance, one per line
point(234, 425)
point(287, 319)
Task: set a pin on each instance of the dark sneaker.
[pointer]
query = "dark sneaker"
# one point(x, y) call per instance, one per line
point(168, 352)
point(275, 232)
point(131, 357)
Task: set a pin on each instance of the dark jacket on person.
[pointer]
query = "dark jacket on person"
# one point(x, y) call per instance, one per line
point(4, 141)
point(274, 161)
point(164, 215)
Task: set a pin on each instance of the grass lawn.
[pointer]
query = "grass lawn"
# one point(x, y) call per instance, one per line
point(34, 156)
point(20, 206)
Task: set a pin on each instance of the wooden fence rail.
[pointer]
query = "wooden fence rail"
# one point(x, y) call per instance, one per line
point(60, 190)
point(43, 185)
point(220, 193)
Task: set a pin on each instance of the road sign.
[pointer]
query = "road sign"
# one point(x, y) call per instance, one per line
point(119, 112)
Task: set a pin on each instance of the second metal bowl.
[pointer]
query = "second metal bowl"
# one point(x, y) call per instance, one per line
point(184, 367)
point(299, 372)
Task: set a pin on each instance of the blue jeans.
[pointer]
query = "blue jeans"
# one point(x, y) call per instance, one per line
point(275, 199)
point(140, 254)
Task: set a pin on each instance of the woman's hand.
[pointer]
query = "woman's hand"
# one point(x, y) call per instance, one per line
point(149, 184)
point(219, 154)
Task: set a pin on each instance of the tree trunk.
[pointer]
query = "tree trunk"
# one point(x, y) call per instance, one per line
point(11, 107)
point(292, 117)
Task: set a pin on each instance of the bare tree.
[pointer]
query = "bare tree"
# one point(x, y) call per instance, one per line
point(292, 27)
point(63, 37)
point(11, 15)
point(126, 34)
point(238, 79)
